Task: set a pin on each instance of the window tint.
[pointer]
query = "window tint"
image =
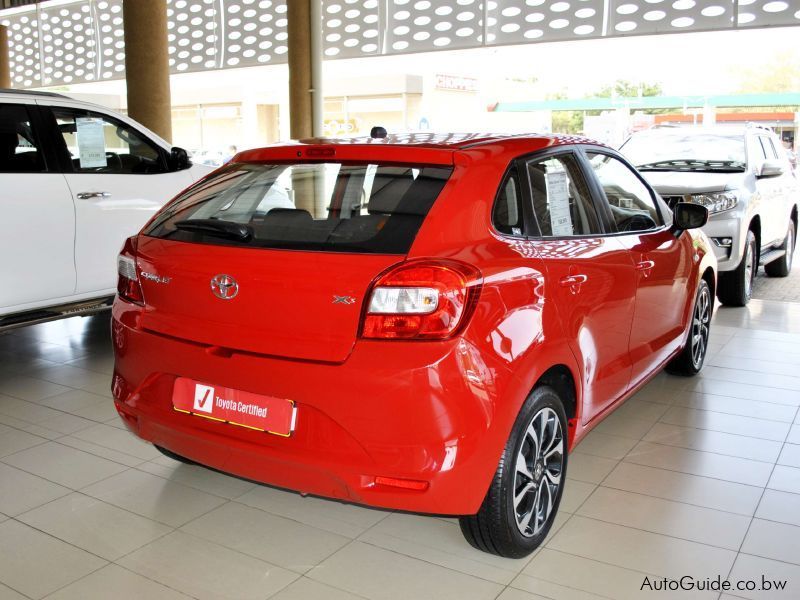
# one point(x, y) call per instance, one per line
point(507, 212)
point(99, 144)
point(630, 201)
point(368, 208)
point(19, 149)
point(561, 200)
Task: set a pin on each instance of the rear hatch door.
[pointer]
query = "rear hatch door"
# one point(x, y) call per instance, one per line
point(302, 305)
point(276, 258)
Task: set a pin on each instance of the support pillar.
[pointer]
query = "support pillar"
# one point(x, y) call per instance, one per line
point(5, 69)
point(147, 64)
point(305, 68)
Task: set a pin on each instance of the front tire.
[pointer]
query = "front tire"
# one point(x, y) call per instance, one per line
point(690, 361)
point(782, 266)
point(736, 287)
point(523, 498)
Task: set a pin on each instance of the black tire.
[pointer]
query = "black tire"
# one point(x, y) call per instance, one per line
point(782, 266)
point(174, 456)
point(496, 529)
point(736, 287)
point(690, 361)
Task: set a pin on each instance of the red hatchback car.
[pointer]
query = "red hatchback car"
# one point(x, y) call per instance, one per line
point(419, 323)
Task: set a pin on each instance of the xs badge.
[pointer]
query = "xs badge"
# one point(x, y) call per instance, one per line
point(344, 300)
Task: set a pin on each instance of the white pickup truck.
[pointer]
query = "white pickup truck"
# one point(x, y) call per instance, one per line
point(77, 179)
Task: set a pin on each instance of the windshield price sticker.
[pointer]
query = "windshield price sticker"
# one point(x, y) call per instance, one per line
point(558, 203)
point(91, 143)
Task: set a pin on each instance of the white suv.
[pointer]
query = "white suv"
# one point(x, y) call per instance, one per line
point(77, 180)
point(744, 178)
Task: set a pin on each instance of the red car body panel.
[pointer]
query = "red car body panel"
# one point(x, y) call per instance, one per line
point(438, 412)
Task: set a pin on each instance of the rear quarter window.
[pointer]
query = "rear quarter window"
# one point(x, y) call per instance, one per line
point(336, 207)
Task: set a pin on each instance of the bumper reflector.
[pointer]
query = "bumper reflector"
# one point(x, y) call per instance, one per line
point(406, 484)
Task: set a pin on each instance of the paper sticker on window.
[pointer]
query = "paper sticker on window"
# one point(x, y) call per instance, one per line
point(91, 143)
point(558, 202)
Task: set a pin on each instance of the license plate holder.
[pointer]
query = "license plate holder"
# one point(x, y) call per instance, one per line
point(258, 412)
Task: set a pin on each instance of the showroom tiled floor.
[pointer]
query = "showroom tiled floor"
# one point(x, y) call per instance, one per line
point(690, 477)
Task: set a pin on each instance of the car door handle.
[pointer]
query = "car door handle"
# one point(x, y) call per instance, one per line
point(90, 195)
point(645, 265)
point(573, 280)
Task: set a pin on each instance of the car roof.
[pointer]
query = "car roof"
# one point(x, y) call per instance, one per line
point(424, 147)
point(29, 93)
point(450, 141)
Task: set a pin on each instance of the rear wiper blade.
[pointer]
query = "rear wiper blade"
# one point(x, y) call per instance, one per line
point(216, 227)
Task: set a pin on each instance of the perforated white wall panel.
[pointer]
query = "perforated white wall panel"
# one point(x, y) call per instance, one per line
point(71, 41)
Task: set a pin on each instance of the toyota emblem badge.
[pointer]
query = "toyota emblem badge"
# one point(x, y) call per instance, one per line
point(224, 287)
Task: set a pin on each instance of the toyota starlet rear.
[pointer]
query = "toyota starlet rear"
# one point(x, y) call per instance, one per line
point(273, 322)
point(342, 320)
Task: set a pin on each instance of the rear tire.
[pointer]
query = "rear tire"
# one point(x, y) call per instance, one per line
point(173, 456)
point(523, 498)
point(736, 287)
point(690, 361)
point(782, 266)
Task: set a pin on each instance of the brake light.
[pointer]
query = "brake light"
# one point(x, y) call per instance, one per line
point(128, 285)
point(426, 300)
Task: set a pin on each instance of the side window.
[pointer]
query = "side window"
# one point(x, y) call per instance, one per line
point(99, 144)
point(507, 211)
point(757, 151)
point(769, 149)
point(19, 148)
point(631, 203)
point(561, 200)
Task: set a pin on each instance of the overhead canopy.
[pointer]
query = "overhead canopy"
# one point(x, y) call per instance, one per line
point(75, 41)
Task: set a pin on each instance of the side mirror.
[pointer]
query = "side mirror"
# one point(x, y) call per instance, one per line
point(688, 215)
point(771, 168)
point(179, 159)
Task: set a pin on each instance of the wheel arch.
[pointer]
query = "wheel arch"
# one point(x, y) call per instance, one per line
point(711, 279)
point(561, 379)
point(755, 227)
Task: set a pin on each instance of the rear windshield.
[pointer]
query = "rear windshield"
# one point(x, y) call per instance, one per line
point(344, 207)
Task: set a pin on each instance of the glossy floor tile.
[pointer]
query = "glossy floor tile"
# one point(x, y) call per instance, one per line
point(695, 477)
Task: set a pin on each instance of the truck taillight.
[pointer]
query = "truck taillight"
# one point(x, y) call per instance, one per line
point(422, 299)
point(128, 286)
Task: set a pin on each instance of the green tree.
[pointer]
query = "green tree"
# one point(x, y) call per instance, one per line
point(781, 74)
point(565, 121)
point(627, 89)
point(571, 121)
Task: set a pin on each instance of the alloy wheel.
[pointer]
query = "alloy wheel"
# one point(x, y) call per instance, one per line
point(789, 249)
point(700, 327)
point(537, 479)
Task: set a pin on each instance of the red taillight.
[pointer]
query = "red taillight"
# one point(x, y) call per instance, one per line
point(426, 299)
point(128, 286)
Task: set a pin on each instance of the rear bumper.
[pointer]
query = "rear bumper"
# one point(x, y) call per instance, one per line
point(427, 412)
